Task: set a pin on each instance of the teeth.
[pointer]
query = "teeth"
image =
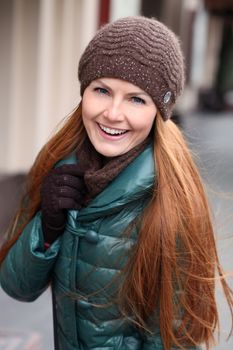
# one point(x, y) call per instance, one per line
point(112, 131)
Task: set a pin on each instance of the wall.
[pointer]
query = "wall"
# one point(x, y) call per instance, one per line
point(42, 41)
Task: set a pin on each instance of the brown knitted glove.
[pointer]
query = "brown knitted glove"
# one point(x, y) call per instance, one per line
point(63, 188)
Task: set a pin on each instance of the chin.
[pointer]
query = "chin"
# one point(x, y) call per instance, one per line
point(108, 153)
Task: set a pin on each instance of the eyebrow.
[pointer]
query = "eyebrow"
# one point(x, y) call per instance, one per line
point(138, 93)
point(129, 94)
point(101, 82)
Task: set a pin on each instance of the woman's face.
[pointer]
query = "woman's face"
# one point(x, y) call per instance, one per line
point(117, 115)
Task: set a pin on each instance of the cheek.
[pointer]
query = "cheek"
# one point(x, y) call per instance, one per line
point(87, 111)
point(143, 123)
point(84, 106)
point(91, 107)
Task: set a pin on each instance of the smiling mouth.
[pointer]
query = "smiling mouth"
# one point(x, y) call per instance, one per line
point(112, 132)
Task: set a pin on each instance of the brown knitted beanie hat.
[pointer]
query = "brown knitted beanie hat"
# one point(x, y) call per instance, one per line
point(140, 50)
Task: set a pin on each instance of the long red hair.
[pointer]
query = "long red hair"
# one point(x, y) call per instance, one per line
point(173, 266)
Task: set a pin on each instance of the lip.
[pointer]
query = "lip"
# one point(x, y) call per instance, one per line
point(109, 137)
point(109, 127)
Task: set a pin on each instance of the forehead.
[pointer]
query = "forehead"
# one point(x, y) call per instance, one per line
point(116, 83)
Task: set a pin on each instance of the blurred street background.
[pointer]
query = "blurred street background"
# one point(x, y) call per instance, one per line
point(41, 43)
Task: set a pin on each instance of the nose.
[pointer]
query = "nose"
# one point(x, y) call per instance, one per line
point(114, 111)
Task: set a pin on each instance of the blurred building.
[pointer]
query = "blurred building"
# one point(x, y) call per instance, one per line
point(41, 42)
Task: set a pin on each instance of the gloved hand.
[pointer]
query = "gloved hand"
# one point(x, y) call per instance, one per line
point(63, 188)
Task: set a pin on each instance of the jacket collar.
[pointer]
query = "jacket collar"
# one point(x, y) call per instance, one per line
point(133, 183)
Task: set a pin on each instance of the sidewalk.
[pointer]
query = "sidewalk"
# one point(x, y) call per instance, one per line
point(26, 326)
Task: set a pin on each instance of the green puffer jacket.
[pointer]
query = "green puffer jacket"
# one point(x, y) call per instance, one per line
point(85, 262)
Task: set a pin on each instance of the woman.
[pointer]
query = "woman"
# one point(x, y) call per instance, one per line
point(115, 217)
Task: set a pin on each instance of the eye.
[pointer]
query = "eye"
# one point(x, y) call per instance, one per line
point(101, 90)
point(138, 100)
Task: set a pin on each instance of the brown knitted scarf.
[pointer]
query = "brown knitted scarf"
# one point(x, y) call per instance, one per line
point(100, 171)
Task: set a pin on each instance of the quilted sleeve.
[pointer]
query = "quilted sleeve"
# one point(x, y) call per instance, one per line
point(25, 272)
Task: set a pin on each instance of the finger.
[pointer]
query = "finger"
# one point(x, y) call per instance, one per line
point(71, 169)
point(68, 192)
point(70, 181)
point(69, 204)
